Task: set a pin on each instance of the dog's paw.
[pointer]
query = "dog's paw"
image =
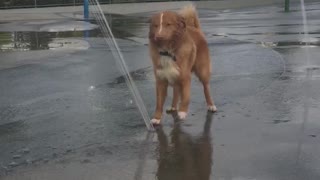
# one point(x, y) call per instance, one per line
point(171, 110)
point(182, 115)
point(212, 108)
point(155, 121)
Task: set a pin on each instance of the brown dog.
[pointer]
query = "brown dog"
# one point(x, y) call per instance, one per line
point(178, 47)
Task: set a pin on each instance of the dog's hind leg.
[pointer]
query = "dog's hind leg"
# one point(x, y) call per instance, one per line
point(210, 102)
point(203, 73)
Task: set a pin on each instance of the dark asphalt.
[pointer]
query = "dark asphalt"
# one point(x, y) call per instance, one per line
point(66, 112)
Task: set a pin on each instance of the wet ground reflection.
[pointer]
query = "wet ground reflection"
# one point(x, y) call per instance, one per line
point(276, 30)
point(73, 110)
point(26, 41)
point(42, 35)
point(183, 157)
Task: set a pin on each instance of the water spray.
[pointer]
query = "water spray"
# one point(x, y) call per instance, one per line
point(120, 62)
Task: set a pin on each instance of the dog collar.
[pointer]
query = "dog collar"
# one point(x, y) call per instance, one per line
point(166, 53)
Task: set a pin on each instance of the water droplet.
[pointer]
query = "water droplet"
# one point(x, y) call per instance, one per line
point(13, 164)
point(25, 150)
point(129, 103)
point(28, 161)
point(91, 88)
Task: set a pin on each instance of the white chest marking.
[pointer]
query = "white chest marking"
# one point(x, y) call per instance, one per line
point(168, 69)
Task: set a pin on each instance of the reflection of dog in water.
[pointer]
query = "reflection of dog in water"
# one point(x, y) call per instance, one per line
point(185, 158)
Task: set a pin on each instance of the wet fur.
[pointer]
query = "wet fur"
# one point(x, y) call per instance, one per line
point(179, 34)
point(169, 70)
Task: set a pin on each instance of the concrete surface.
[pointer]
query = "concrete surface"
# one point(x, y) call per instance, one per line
point(66, 112)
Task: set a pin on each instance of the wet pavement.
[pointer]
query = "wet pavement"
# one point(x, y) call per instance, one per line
point(66, 112)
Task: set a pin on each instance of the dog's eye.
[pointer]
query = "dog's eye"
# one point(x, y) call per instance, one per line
point(168, 24)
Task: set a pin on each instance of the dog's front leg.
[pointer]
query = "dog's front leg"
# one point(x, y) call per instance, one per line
point(175, 99)
point(185, 97)
point(161, 92)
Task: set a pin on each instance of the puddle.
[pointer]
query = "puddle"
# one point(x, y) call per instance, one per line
point(290, 44)
point(68, 44)
point(43, 35)
point(279, 121)
point(26, 41)
point(270, 26)
point(282, 44)
point(127, 26)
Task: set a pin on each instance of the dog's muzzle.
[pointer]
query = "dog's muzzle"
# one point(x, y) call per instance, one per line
point(166, 53)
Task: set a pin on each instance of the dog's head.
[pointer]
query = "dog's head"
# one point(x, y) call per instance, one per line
point(166, 26)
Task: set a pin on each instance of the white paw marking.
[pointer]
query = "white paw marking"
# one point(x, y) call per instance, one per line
point(171, 109)
point(182, 115)
point(155, 121)
point(212, 108)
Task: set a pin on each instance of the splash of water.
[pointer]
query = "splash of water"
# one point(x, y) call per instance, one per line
point(309, 69)
point(306, 32)
point(108, 36)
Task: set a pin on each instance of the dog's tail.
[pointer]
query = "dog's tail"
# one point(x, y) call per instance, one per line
point(189, 13)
